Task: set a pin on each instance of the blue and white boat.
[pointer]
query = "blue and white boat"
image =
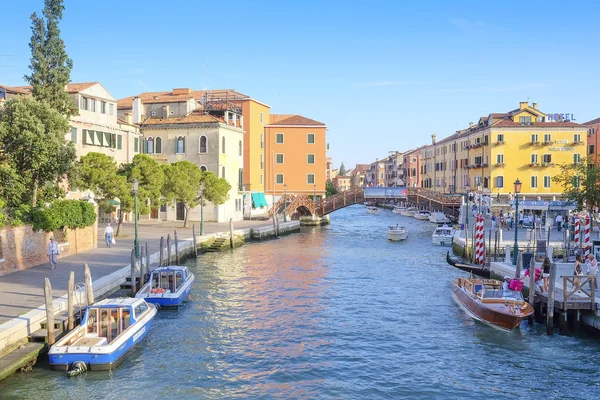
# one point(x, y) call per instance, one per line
point(167, 286)
point(109, 330)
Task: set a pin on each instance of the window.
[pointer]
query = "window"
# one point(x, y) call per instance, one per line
point(547, 138)
point(310, 138)
point(92, 104)
point(547, 182)
point(576, 181)
point(100, 138)
point(577, 138)
point(180, 145)
point(119, 142)
point(547, 158)
point(499, 181)
point(310, 159)
point(500, 138)
point(203, 168)
point(261, 118)
point(576, 158)
point(240, 180)
point(279, 159)
point(240, 145)
point(310, 179)
point(136, 143)
point(261, 179)
point(113, 141)
point(223, 172)
point(534, 137)
point(150, 146)
point(74, 135)
point(534, 158)
point(262, 141)
point(82, 103)
point(111, 107)
point(524, 120)
point(158, 145)
point(102, 107)
point(107, 138)
point(223, 144)
point(591, 149)
point(262, 161)
point(279, 179)
point(279, 138)
point(534, 182)
point(202, 144)
point(500, 158)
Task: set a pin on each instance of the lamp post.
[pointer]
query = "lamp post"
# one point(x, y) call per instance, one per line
point(201, 208)
point(516, 245)
point(468, 188)
point(285, 202)
point(315, 192)
point(136, 243)
point(479, 189)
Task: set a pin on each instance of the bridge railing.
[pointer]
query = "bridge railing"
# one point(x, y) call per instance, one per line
point(339, 200)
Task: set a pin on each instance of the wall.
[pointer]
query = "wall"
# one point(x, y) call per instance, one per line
point(254, 128)
point(23, 248)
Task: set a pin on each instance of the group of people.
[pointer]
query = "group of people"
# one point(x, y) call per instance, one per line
point(591, 266)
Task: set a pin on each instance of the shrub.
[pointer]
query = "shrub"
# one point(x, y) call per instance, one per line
point(64, 214)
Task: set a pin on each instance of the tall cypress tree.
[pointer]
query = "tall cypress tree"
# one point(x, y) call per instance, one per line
point(50, 65)
point(342, 170)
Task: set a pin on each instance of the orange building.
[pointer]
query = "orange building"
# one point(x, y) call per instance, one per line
point(296, 156)
point(593, 140)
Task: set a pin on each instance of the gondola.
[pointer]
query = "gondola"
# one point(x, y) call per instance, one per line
point(474, 268)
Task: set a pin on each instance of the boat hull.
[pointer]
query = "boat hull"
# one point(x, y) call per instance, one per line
point(472, 268)
point(407, 213)
point(441, 240)
point(397, 236)
point(169, 300)
point(421, 217)
point(479, 312)
point(395, 211)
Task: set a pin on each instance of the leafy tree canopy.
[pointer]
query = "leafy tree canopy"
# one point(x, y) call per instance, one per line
point(580, 183)
point(150, 176)
point(216, 190)
point(182, 183)
point(330, 189)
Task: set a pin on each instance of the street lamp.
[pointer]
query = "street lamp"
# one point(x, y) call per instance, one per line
point(479, 189)
point(136, 243)
point(201, 208)
point(315, 192)
point(516, 245)
point(468, 188)
point(285, 202)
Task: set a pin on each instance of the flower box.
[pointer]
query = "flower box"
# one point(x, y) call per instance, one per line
point(535, 143)
point(499, 165)
point(548, 143)
point(576, 143)
point(534, 164)
point(498, 143)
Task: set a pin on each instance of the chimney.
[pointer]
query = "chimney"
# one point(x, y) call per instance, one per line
point(137, 110)
point(129, 118)
point(166, 112)
point(534, 105)
point(523, 105)
point(433, 139)
point(470, 124)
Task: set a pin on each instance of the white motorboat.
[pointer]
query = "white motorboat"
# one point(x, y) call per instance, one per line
point(372, 210)
point(438, 217)
point(409, 212)
point(442, 235)
point(397, 233)
point(398, 210)
point(422, 215)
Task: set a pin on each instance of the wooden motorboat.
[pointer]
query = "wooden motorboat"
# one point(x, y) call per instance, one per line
point(397, 233)
point(439, 218)
point(168, 286)
point(486, 302)
point(473, 268)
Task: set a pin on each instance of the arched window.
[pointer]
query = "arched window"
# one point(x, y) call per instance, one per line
point(240, 147)
point(203, 168)
point(202, 144)
point(223, 172)
point(223, 145)
point(150, 146)
point(180, 145)
point(158, 145)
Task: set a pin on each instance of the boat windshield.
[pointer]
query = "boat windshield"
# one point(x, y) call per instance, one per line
point(502, 294)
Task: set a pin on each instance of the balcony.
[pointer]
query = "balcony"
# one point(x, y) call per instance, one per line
point(159, 157)
point(500, 142)
point(533, 165)
point(577, 142)
point(548, 164)
point(500, 165)
point(535, 143)
point(547, 142)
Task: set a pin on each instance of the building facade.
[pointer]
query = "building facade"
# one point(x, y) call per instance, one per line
point(593, 140)
point(375, 176)
point(342, 183)
point(296, 152)
point(411, 166)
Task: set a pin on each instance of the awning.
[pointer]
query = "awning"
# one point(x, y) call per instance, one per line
point(114, 202)
point(259, 200)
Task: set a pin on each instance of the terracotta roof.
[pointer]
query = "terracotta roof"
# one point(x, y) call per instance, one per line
point(274, 118)
point(180, 95)
point(297, 120)
point(124, 122)
point(71, 87)
point(592, 122)
point(361, 168)
point(16, 89)
point(192, 118)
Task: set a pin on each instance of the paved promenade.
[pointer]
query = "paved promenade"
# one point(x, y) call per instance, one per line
point(22, 291)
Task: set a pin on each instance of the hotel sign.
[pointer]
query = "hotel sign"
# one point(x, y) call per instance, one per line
point(561, 148)
point(561, 117)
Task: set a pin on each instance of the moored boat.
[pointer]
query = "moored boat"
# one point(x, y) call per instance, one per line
point(372, 210)
point(398, 210)
point(108, 331)
point(473, 268)
point(397, 233)
point(409, 212)
point(422, 215)
point(439, 218)
point(442, 235)
point(486, 302)
point(167, 286)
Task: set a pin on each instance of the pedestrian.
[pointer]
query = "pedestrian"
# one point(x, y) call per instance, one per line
point(559, 222)
point(546, 273)
point(530, 220)
point(577, 270)
point(53, 253)
point(493, 220)
point(108, 235)
point(592, 267)
point(521, 219)
point(508, 222)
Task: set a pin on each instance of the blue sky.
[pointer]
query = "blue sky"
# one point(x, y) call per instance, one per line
point(383, 75)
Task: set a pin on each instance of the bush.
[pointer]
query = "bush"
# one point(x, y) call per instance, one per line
point(64, 214)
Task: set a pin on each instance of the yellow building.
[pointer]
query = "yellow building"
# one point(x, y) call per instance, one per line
point(501, 148)
point(256, 116)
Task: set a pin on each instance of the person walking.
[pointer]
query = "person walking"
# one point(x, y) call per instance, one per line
point(108, 236)
point(53, 253)
point(494, 220)
point(592, 267)
point(559, 222)
point(521, 219)
point(546, 273)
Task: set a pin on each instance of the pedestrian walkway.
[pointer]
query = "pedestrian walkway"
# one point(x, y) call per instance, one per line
point(22, 291)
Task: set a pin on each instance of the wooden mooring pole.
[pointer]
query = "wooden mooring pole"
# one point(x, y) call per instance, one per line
point(531, 286)
point(161, 251)
point(168, 250)
point(70, 301)
point(195, 241)
point(176, 247)
point(133, 289)
point(89, 290)
point(142, 261)
point(147, 270)
point(231, 231)
point(551, 290)
point(49, 311)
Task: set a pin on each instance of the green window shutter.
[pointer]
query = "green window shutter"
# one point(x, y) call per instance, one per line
point(91, 137)
point(84, 136)
point(119, 142)
point(107, 141)
point(99, 137)
point(158, 145)
point(113, 140)
point(135, 144)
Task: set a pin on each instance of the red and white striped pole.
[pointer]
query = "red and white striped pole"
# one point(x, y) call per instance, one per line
point(480, 240)
point(577, 233)
point(586, 236)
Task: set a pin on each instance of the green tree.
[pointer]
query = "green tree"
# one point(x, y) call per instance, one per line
point(182, 184)
point(216, 190)
point(580, 183)
point(50, 65)
point(342, 170)
point(330, 189)
point(150, 176)
point(32, 142)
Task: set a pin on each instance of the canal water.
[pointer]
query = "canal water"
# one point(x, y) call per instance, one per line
point(335, 313)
